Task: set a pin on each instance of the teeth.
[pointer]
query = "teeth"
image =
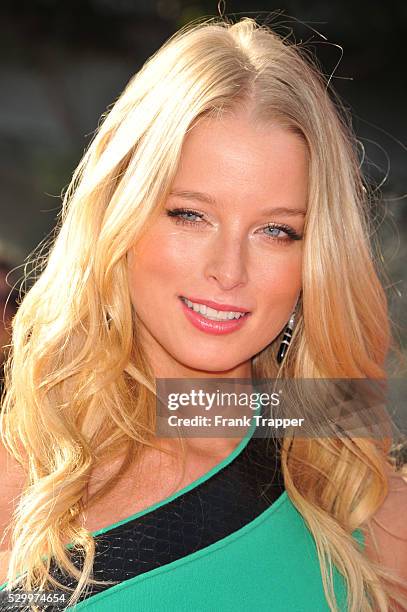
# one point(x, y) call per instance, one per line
point(211, 313)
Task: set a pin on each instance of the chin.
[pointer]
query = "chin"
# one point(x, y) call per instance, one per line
point(210, 364)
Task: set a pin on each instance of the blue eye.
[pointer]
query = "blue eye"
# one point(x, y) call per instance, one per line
point(274, 231)
point(183, 215)
point(281, 233)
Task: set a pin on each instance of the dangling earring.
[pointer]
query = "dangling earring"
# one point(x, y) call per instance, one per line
point(288, 332)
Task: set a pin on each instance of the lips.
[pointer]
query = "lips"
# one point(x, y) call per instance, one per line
point(214, 327)
point(216, 305)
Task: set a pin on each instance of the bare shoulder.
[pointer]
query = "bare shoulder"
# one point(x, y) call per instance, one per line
point(12, 483)
point(389, 528)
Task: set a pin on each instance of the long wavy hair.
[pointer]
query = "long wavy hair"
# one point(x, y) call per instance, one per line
point(80, 391)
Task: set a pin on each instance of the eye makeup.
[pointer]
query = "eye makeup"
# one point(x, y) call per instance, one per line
point(180, 216)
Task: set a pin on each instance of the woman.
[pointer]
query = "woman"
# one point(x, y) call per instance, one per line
point(223, 179)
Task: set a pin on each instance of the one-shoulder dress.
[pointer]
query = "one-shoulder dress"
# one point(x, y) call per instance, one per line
point(230, 541)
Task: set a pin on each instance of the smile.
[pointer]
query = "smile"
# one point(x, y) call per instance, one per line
point(211, 313)
point(210, 320)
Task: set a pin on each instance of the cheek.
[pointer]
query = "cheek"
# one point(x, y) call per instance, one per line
point(158, 261)
point(279, 280)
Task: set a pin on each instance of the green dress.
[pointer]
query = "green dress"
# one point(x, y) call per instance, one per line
point(230, 541)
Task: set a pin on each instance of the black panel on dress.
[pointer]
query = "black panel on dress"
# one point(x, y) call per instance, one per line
point(230, 499)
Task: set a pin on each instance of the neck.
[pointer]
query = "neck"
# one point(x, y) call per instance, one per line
point(165, 366)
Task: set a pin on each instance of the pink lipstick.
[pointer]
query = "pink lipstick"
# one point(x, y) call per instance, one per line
point(210, 326)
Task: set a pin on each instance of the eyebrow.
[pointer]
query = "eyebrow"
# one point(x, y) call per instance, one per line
point(205, 197)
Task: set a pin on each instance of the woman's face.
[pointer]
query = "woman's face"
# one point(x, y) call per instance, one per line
point(229, 241)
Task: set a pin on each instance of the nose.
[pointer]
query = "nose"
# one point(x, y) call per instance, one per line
point(226, 262)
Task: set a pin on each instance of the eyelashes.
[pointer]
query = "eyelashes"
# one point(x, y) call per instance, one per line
point(281, 227)
point(178, 212)
point(183, 216)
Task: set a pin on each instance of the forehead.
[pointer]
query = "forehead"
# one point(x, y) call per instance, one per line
point(234, 158)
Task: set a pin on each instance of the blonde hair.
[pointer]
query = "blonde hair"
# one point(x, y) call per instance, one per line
point(75, 356)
